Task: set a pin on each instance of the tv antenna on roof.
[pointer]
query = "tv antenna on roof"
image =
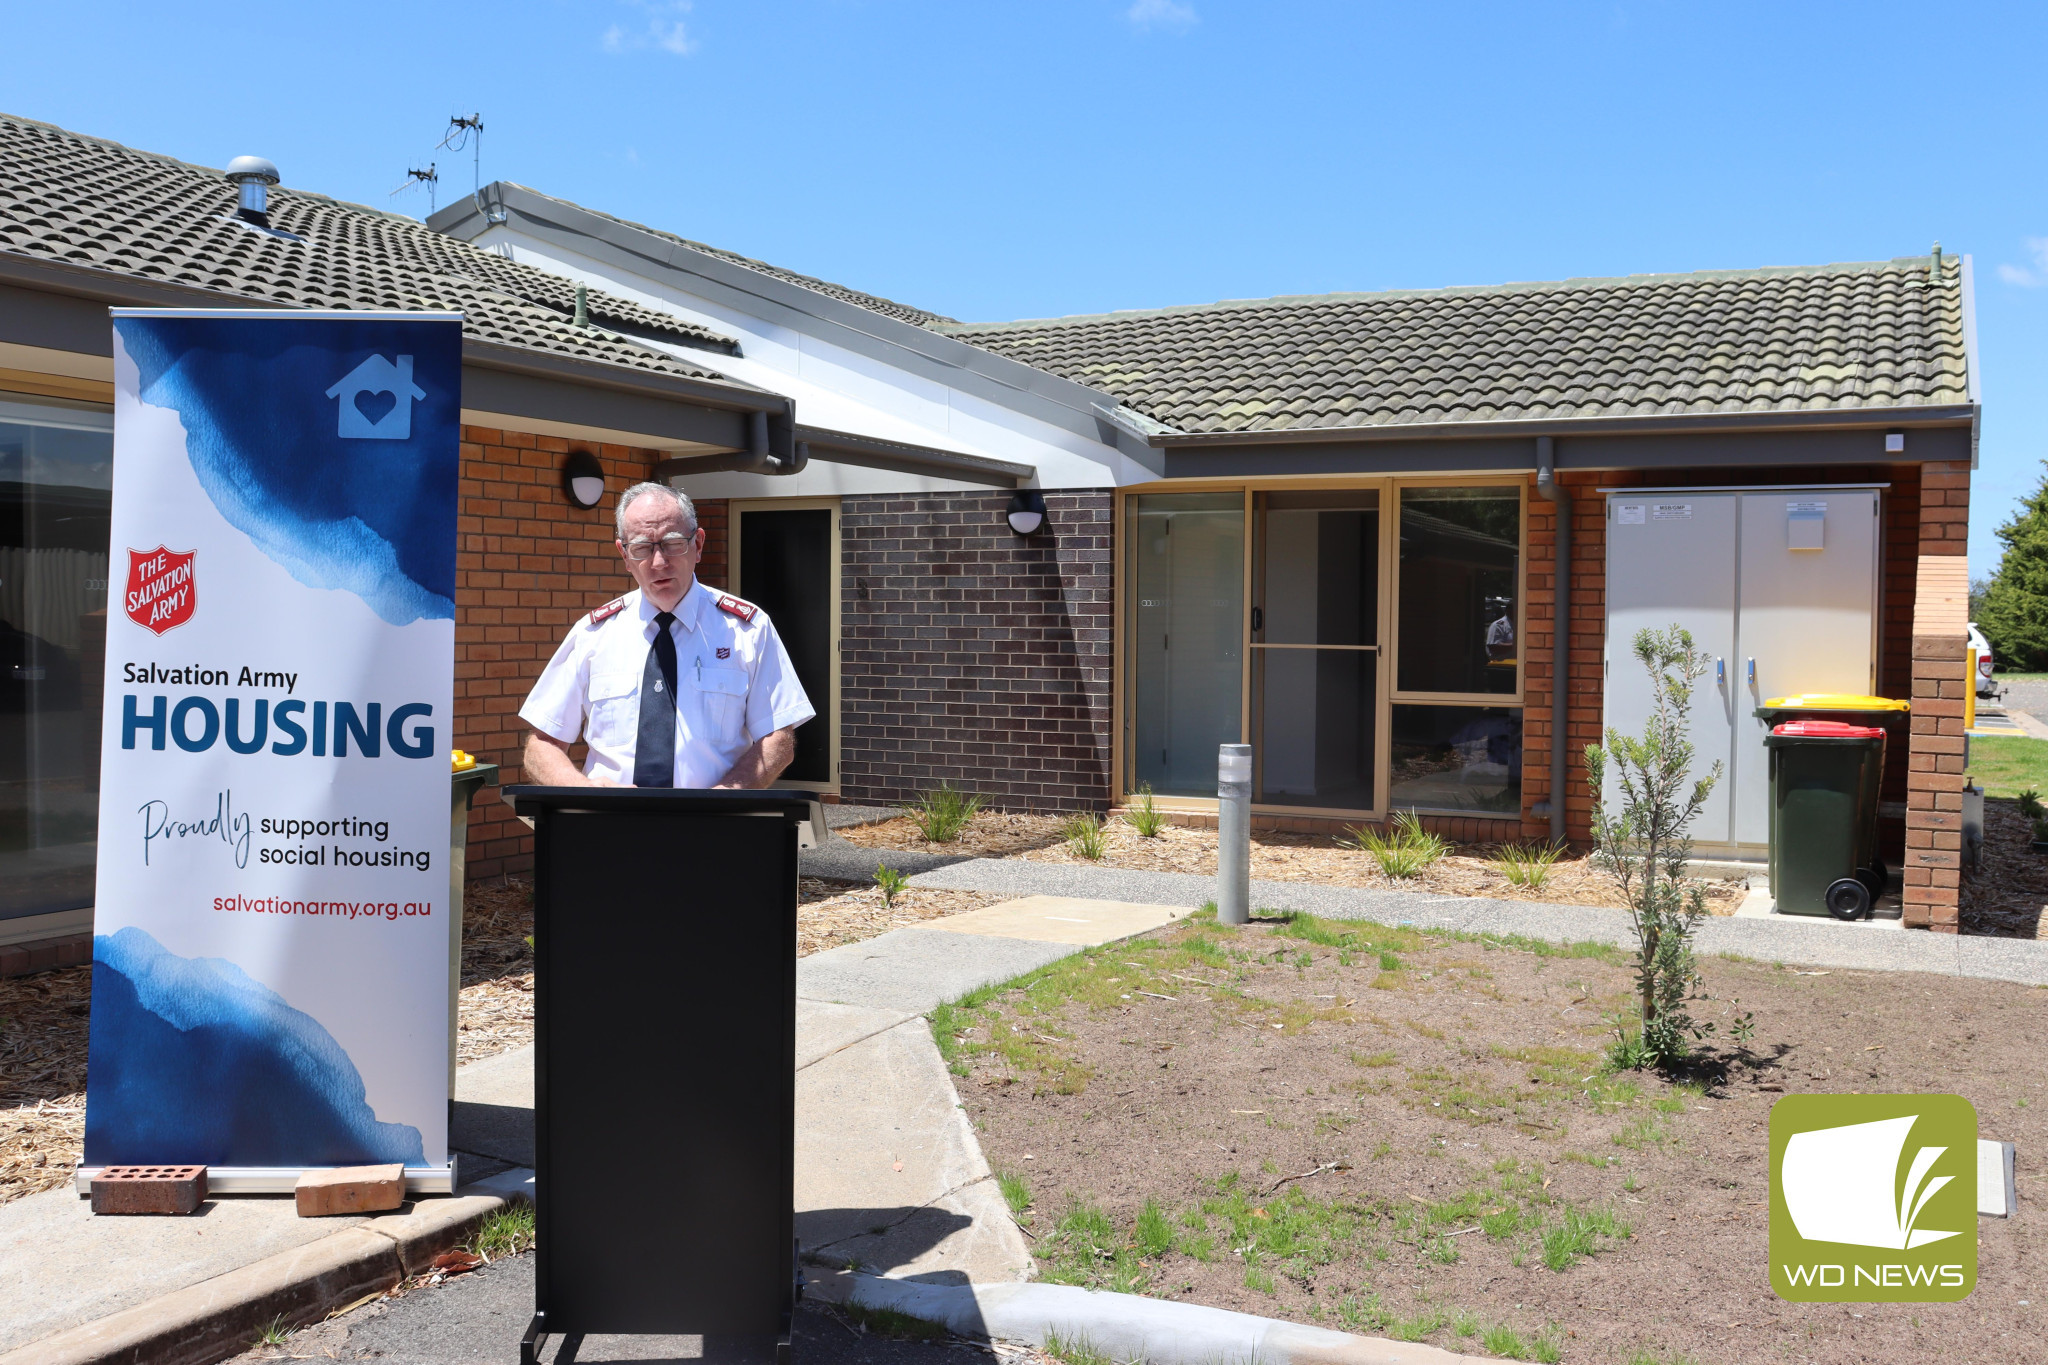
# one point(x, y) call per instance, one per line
point(414, 178)
point(469, 133)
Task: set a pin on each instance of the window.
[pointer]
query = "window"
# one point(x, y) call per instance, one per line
point(56, 462)
point(1454, 747)
point(1460, 564)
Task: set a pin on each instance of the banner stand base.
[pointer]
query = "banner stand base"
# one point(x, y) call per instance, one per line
point(285, 1179)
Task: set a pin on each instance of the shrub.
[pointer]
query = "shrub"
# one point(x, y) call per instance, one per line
point(1405, 852)
point(1644, 843)
point(1527, 864)
point(941, 815)
point(892, 882)
point(1143, 815)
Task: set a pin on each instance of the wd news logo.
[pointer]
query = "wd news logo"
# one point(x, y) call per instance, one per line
point(1873, 1198)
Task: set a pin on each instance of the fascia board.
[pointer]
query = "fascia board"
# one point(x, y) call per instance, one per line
point(929, 355)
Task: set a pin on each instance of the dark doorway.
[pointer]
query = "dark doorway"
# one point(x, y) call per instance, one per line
point(786, 568)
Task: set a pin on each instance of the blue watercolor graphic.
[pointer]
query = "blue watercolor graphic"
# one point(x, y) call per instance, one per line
point(262, 401)
point(193, 1063)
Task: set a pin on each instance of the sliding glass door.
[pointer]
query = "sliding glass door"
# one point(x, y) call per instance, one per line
point(1185, 571)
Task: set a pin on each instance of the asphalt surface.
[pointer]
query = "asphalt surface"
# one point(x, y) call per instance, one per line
point(482, 1315)
point(2028, 695)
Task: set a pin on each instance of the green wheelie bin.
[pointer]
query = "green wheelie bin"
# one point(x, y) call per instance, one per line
point(1825, 777)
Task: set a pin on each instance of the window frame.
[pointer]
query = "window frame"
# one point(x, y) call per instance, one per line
point(1390, 489)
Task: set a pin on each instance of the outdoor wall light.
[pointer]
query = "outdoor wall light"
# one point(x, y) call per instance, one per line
point(1027, 511)
point(582, 480)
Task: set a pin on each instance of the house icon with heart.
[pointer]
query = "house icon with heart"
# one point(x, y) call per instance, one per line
point(376, 400)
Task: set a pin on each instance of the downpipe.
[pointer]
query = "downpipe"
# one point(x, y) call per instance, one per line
point(1552, 492)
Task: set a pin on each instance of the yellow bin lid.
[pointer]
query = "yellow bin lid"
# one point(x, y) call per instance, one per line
point(1836, 701)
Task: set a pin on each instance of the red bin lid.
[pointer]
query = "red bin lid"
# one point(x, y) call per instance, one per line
point(1828, 729)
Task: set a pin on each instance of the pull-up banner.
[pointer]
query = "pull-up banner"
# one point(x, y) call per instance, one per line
point(270, 942)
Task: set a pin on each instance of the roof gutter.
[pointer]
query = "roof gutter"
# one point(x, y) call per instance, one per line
point(901, 457)
point(772, 448)
point(1955, 414)
point(117, 290)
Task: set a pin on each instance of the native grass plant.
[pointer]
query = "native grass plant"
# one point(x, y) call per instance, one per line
point(1641, 840)
point(2029, 803)
point(1527, 864)
point(1144, 815)
point(1086, 836)
point(1405, 852)
point(892, 882)
point(941, 815)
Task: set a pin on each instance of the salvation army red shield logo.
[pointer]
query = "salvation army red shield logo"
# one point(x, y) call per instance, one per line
point(160, 588)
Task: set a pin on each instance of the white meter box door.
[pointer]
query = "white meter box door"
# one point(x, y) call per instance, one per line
point(1671, 561)
point(1779, 589)
point(1808, 616)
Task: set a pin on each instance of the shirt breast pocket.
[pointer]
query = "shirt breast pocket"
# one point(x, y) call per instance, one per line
point(614, 707)
point(724, 691)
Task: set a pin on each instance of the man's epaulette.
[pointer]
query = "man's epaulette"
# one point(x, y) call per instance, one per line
point(734, 606)
point(607, 611)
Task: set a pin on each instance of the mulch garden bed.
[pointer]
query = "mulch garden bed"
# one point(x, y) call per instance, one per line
point(2007, 896)
point(43, 1017)
point(1469, 870)
point(1412, 1135)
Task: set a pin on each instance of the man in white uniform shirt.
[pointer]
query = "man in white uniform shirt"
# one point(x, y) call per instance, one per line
point(672, 685)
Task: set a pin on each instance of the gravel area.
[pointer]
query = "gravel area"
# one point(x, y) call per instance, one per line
point(1410, 1136)
point(1314, 858)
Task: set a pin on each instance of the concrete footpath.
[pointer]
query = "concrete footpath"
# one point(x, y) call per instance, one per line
point(889, 1175)
point(1812, 941)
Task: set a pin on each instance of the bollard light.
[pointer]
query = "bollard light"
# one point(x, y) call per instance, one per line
point(1233, 833)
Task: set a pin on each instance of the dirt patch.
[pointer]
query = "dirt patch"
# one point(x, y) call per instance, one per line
point(2007, 897)
point(1470, 870)
point(1411, 1135)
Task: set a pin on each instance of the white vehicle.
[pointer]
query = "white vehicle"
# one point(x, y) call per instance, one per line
point(1985, 687)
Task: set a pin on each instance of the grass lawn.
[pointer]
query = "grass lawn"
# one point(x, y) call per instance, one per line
point(1414, 1134)
point(2008, 765)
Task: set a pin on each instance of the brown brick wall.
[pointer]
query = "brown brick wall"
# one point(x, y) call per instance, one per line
point(975, 656)
point(528, 565)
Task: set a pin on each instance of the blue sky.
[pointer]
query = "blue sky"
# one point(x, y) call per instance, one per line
point(995, 159)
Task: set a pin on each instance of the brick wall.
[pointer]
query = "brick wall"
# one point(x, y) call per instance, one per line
point(1932, 870)
point(975, 656)
point(528, 565)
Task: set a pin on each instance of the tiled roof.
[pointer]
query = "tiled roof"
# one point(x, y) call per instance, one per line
point(85, 202)
point(903, 312)
point(1779, 340)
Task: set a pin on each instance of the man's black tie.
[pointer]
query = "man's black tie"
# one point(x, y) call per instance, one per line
point(654, 753)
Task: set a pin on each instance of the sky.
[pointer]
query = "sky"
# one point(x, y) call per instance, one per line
point(996, 159)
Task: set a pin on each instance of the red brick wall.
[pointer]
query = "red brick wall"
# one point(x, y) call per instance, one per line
point(1932, 868)
point(528, 565)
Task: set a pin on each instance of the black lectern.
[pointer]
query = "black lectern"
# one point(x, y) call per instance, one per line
point(665, 1048)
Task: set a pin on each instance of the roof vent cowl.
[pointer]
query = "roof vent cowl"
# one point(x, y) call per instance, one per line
point(253, 175)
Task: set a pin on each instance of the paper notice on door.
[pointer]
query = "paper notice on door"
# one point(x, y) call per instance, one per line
point(1671, 511)
point(1629, 513)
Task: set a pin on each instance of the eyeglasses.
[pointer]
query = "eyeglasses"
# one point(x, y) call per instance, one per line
point(674, 545)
